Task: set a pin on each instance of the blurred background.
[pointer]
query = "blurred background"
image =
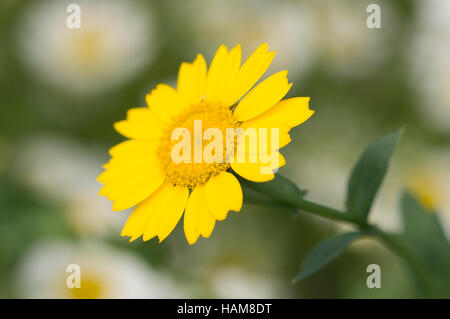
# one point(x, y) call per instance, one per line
point(61, 90)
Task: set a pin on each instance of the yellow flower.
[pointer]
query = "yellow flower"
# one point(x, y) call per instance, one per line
point(142, 171)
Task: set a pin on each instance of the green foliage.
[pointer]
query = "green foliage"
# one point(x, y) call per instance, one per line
point(424, 237)
point(324, 253)
point(280, 189)
point(368, 174)
point(24, 220)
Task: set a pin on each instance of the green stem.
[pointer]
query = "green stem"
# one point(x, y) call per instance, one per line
point(321, 210)
point(392, 243)
point(388, 240)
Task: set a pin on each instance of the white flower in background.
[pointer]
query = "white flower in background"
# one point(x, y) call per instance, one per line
point(115, 40)
point(105, 273)
point(429, 181)
point(427, 177)
point(237, 283)
point(63, 171)
point(284, 26)
point(343, 40)
point(326, 177)
point(386, 211)
point(299, 31)
point(430, 62)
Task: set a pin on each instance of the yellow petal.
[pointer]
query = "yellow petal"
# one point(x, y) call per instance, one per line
point(269, 136)
point(134, 190)
point(171, 211)
point(132, 148)
point(131, 223)
point(121, 172)
point(191, 80)
point(223, 193)
point(117, 172)
point(155, 206)
point(130, 159)
point(165, 102)
point(198, 220)
point(142, 215)
point(250, 72)
point(259, 171)
point(158, 214)
point(191, 229)
point(292, 112)
point(140, 124)
point(222, 73)
point(115, 178)
point(263, 96)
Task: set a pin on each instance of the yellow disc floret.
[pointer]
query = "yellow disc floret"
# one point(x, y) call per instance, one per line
point(191, 173)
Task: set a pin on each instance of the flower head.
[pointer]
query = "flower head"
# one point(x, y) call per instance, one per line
point(104, 272)
point(116, 40)
point(164, 177)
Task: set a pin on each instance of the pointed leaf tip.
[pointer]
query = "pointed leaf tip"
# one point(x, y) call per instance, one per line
point(324, 253)
point(368, 174)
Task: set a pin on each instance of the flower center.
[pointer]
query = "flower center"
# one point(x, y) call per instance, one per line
point(89, 48)
point(195, 170)
point(426, 191)
point(90, 288)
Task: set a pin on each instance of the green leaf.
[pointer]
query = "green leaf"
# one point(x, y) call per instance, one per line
point(368, 174)
point(417, 221)
point(280, 188)
point(324, 253)
point(424, 237)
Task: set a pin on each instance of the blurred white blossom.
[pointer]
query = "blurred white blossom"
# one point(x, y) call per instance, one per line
point(342, 39)
point(65, 172)
point(236, 283)
point(285, 27)
point(115, 40)
point(429, 182)
point(105, 273)
point(427, 177)
point(325, 176)
point(302, 32)
point(430, 62)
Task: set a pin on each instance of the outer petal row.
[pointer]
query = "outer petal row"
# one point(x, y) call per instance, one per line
point(141, 123)
point(132, 173)
point(158, 214)
point(284, 115)
point(292, 112)
point(250, 72)
point(211, 202)
point(198, 219)
point(263, 96)
point(261, 170)
point(222, 73)
point(165, 102)
point(192, 80)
